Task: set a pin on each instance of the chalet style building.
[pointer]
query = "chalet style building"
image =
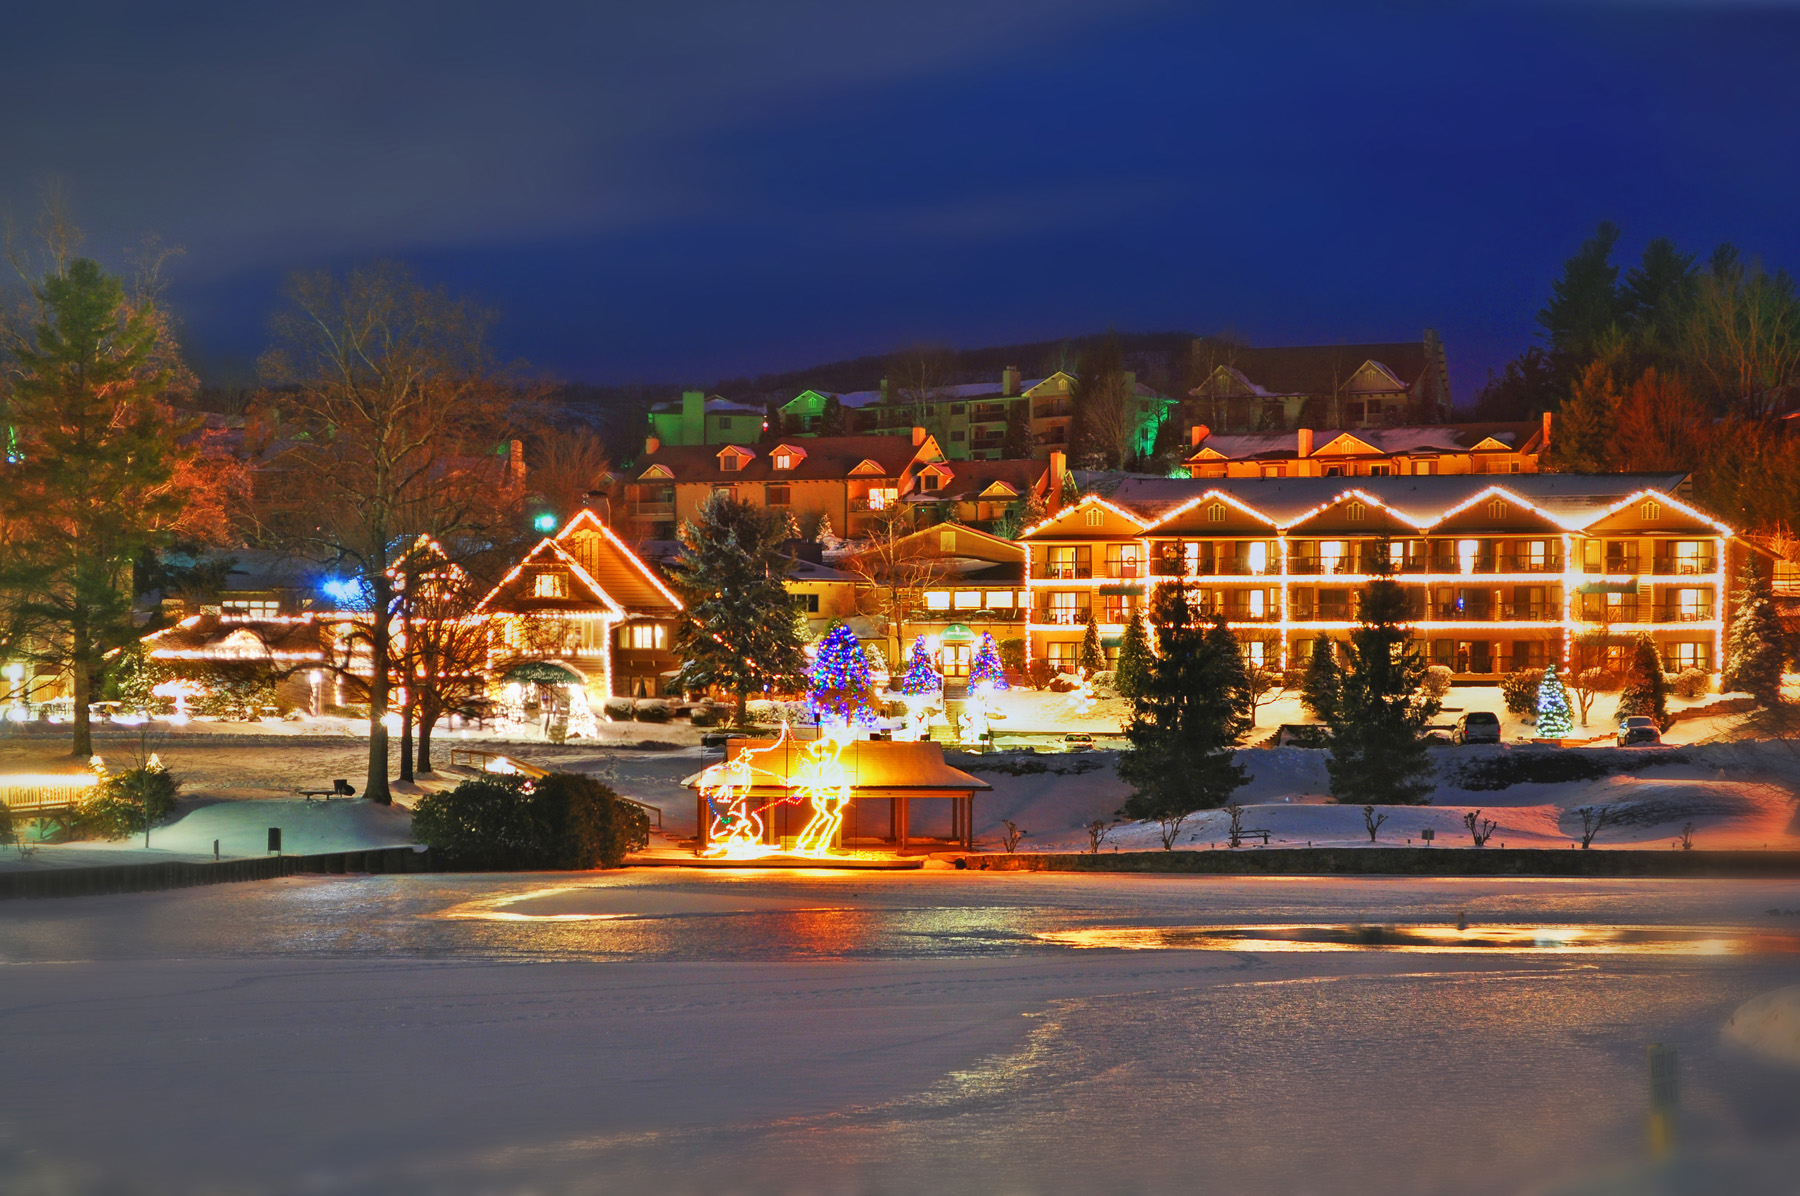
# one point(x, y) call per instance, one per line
point(1317, 386)
point(1415, 449)
point(1533, 570)
point(584, 600)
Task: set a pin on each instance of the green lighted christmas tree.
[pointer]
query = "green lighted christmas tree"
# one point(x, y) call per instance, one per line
point(987, 669)
point(1553, 721)
point(842, 690)
point(922, 677)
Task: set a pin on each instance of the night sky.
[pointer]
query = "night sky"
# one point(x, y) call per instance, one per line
point(684, 191)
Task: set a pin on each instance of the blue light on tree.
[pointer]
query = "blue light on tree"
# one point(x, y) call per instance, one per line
point(1553, 720)
point(922, 678)
point(843, 687)
point(347, 592)
point(987, 672)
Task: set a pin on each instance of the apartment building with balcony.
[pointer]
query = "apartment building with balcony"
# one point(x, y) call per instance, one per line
point(848, 480)
point(697, 419)
point(1419, 450)
point(1500, 575)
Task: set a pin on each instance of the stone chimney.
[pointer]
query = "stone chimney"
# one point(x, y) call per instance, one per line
point(1009, 381)
point(1305, 442)
point(1198, 433)
point(1545, 446)
point(651, 444)
point(1059, 468)
point(919, 435)
point(515, 462)
point(693, 417)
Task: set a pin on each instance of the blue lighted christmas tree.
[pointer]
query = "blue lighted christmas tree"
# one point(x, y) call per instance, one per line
point(922, 677)
point(987, 669)
point(1553, 707)
point(842, 689)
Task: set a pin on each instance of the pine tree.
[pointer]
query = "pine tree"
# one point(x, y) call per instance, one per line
point(1186, 723)
point(1091, 657)
point(986, 669)
point(842, 692)
point(922, 677)
point(1378, 752)
point(831, 419)
point(1753, 649)
point(739, 632)
point(1324, 684)
point(1553, 721)
point(1584, 303)
point(1133, 673)
point(1588, 427)
point(1645, 691)
point(95, 474)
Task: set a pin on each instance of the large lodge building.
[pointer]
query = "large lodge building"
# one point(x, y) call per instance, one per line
point(1539, 569)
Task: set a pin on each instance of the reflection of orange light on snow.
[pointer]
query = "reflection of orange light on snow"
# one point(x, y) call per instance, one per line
point(819, 778)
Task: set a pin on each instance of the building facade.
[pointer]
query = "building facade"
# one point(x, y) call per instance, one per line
point(1241, 389)
point(1539, 569)
point(1419, 449)
point(696, 419)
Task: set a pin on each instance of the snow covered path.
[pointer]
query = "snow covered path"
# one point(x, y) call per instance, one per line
point(687, 1032)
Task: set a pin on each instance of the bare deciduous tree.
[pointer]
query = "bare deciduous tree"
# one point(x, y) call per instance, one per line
point(1480, 829)
point(1371, 822)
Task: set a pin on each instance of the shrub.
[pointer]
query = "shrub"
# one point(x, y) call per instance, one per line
point(234, 692)
point(1528, 768)
point(1690, 683)
point(1104, 684)
point(126, 802)
point(706, 716)
point(1437, 681)
point(654, 711)
point(1520, 690)
point(1040, 674)
point(1293, 678)
point(6, 823)
point(564, 821)
point(618, 709)
point(1012, 655)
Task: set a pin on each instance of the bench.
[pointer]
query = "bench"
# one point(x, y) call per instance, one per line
point(339, 788)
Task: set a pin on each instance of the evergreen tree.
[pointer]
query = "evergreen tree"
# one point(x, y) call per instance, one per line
point(1017, 445)
point(1324, 684)
point(1584, 305)
point(986, 668)
point(1100, 427)
point(1133, 673)
point(1645, 691)
point(1586, 437)
point(842, 692)
point(922, 677)
point(1753, 649)
point(739, 632)
point(772, 423)
point(1186, 723)
point(1553, 721)
point(1658, 294)
point(831, 418)
point(1378, 752)
point(1091, 657)
point(95, 477)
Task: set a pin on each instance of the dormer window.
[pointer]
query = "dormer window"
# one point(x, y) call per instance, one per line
point(732, 459)
point(930, 481)
point(729, 464)
point(786, 456)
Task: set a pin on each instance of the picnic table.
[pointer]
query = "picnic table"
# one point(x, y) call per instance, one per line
point(339, 788)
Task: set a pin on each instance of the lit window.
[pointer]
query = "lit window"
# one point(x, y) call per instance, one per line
point(642, 637)
point(937, 599)
point(1256, 606)
point(1259, 557)
point(1256, 653)
point(998, 599)
point(784, 460)
point(549, 585)
point(881, 498)
point(968, 600)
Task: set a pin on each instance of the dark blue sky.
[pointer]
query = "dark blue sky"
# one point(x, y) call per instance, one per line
point(683, 191)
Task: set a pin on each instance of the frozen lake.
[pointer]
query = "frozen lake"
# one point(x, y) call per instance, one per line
point(677, 1031)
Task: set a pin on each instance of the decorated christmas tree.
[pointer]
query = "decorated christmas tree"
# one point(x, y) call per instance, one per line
point(921, 678)
point(987, 669)
point(842, 690)
point(1553, 721)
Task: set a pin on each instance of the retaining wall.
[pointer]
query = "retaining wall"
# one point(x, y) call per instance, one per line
point(1403, 861)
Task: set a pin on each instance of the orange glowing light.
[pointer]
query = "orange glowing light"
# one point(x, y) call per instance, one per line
point(735, 829)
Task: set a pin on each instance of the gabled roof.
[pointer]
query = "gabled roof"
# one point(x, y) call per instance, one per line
point(868, 764)
point(1406, 439)
point(1313, 369)
point(1090, 518)
point(972, 480)
point(583, 594)
point(714, 405)
point(827, 458)
point(624, 575)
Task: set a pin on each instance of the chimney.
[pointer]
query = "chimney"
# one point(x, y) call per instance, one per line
point(651, 444)
point(515, 462)
point(1305, 435)
point(884, 390)
point(1545, 446)
point(1197, 433)
point(1059, 466)
point(1009, 381)
point(918, 435)
point(693, 417)
point(1130, 382)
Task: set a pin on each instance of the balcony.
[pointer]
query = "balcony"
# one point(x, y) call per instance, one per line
point(1063, 616)
point(1243, 614)
point(1528, 564)
point(652, 510)
point(1684, 614)
point(988, 413)
point(1500, 612)
point(1125, 570)
point(1687, 566)
point(1063, 571)
point(1050, 410)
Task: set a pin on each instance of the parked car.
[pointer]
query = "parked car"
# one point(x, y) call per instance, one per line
point(1638, 728)
point(1477, 726)
point(1078, 742)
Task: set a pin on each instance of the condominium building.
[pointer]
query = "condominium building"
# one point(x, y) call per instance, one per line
point(1501, 575)
point(1424, 449)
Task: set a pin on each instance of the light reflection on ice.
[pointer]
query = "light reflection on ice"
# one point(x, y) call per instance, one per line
point(1603, 940)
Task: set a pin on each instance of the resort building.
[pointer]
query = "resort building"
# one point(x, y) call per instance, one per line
point(1415, 449)
point(1502, 575)
point(697, 419)
point(1317, 386)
